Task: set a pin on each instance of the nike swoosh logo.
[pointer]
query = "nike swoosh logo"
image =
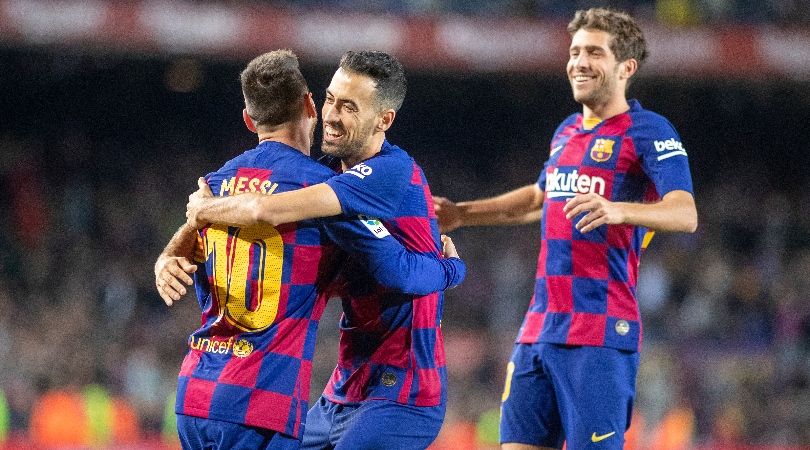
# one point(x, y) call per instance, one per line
point(555, 149)
point(595, 438)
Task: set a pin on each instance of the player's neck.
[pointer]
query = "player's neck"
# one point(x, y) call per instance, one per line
point(289, 136)
point(604, 111)
point(372, 147)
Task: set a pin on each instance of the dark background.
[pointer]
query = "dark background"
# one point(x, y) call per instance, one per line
point(98, 152)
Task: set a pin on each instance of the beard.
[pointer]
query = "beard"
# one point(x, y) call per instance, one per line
point(349, 149)
point(600, 94)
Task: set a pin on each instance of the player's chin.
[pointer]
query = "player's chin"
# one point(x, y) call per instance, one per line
point(333, 149)
point(582, 95)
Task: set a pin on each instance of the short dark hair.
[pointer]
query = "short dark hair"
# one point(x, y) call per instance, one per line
point(627, 40)
point(386, 72)
point(273, 86)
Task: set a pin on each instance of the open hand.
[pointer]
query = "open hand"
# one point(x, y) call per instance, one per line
point(170, 274)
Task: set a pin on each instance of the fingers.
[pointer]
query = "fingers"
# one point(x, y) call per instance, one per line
point(587, 222)
point(579, 209)
point(167, 291)
point(572, 202)
point(178, 272)
point(167, 299)
point(440, 202)
point(204, 189)
point(578, 204)
point(448, 247)
point(593, 225)
point(170, 278)
point(187, 266)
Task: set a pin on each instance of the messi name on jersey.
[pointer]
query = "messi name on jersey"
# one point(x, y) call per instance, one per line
point(248, 180)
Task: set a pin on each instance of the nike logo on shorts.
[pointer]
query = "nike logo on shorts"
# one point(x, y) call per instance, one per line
point(595, 438)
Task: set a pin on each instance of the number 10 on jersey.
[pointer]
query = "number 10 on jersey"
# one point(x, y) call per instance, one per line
point(245, 264)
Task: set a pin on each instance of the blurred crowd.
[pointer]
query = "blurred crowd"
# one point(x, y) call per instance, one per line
point(670, 12)
point(90, 199)
point(726, 311)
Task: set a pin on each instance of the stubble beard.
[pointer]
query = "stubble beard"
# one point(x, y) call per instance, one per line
point(600, 95)
point(349, 150)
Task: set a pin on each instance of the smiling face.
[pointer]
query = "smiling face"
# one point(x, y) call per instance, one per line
point(350, 116)
point(593, 71)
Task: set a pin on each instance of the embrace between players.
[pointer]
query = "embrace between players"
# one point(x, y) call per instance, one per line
point(265, 261)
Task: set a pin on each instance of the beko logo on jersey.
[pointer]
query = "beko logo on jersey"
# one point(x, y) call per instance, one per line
point(572, 183)
point(360, 171)
point(671, 146)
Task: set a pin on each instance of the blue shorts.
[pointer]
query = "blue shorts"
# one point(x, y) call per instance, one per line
point(208, 434)
point(578, 394)
point(371, 425)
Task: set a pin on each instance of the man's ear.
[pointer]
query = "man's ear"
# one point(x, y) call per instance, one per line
point(309, 106)
point(385, 120)
point(248, 121)
point(628, 68)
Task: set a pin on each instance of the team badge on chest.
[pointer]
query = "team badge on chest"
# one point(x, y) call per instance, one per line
point(602, 149)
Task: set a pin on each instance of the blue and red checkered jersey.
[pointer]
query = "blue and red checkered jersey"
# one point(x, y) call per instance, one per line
point(586, 282)
point(250, 361)
point(391, 344)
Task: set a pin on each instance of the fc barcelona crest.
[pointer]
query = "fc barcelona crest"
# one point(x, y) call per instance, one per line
point(602, 150)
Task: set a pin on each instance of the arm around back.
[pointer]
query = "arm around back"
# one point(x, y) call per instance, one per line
point(246, 209)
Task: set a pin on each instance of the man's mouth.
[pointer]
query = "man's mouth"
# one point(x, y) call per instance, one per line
point(331, 133)
point(582, 78)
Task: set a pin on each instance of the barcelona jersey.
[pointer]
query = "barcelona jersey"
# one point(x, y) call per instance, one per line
point(586, 282)
point(390, 344)
point(258, 286)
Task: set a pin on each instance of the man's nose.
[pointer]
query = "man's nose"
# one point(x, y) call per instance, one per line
point(329, 113)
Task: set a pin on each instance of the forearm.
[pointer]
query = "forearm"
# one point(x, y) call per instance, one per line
point(253, 208)
point(512, 208)
point(390, 263)
point(239, 210)
point(676, 212)
point(418, 274)
point(181, 244)
point(309, 203)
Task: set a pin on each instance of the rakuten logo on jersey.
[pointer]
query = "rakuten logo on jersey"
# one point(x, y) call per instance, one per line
point(360, 171)
point(572, 183)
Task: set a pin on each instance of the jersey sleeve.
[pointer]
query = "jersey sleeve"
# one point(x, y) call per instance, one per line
point(374, 187)
point(541, 180)
point(663, 157)
point(389, 262)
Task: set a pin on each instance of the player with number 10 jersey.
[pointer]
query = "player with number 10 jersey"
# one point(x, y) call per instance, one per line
point(250, 362)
